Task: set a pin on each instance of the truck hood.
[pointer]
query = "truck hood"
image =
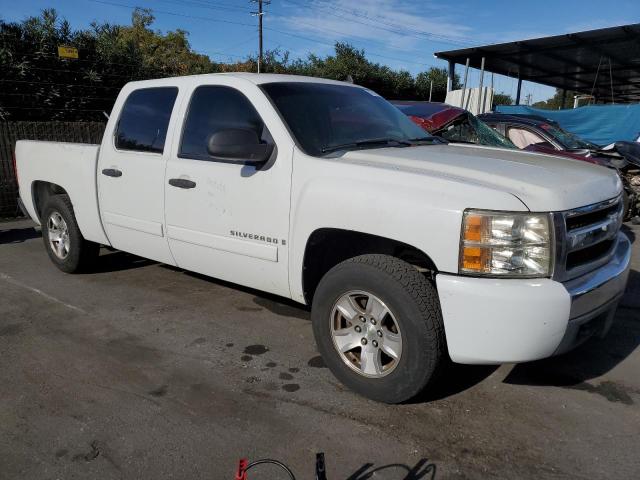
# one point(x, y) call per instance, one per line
point(542, 182)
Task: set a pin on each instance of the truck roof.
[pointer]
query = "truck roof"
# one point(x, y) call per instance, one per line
point(256, 78)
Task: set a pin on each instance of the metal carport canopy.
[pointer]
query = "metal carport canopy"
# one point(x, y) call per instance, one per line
point(608, 58)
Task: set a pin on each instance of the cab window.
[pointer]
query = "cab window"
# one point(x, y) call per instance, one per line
point(145, 119)
point(212, 109)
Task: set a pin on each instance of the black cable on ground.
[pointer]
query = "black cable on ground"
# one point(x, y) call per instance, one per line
point(273, 462)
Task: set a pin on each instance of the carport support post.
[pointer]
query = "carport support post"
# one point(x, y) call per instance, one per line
point(564, 98)
point(430, 89)
point(480, 87)
point(518, 90)
point(464, 84)
point(452, 72)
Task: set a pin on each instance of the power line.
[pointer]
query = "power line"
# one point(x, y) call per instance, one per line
point(220, 4)
point(60, 84)
point(38, 94)
point(212, 5)
point(403, 32)
point(332, 44)
point(95, 61)
point(403, 29)
point(175, 14)
point(373, 54)
point(57, 109)
point(393, 27)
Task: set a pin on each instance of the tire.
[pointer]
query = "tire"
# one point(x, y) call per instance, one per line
point(65, 245)
point(412, 311)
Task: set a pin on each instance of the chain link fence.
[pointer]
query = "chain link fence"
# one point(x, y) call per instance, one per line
point(10, 132)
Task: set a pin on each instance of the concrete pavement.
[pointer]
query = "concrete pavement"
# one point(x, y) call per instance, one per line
point(139, 370)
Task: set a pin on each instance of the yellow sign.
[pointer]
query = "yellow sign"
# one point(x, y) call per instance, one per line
point(67, 52)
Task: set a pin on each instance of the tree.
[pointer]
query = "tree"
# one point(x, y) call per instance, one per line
point(439, 77)
point(502, 99)
point(38, 85)
point(555, 102)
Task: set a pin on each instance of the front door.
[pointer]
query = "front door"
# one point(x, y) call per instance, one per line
point(224, 219)
point(131, 174)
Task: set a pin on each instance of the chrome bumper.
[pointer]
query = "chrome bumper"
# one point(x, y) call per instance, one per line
point(595, 296)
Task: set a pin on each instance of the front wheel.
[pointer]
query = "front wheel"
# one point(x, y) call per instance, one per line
point(378, 326)
point(66, 246)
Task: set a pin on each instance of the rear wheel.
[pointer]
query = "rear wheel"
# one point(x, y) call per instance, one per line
point(378, 326)
point(66, 246)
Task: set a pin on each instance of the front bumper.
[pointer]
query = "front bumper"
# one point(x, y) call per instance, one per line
point(491, 321)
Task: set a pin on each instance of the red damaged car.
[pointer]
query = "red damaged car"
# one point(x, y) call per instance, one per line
point(458, 125)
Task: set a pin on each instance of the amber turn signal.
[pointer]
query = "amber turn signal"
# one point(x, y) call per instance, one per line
point(473, 228)
point(475, 258)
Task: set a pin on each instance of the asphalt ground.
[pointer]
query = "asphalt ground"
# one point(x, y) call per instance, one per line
point(139, 370)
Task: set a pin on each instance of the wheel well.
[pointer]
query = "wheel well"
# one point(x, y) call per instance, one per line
point(327, 247)
point(41, 192)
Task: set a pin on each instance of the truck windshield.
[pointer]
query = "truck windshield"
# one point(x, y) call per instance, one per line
point(326, 118)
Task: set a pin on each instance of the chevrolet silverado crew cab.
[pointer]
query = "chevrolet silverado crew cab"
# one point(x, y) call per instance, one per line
point(409, 250)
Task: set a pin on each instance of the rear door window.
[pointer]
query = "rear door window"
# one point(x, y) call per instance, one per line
point(145, 119)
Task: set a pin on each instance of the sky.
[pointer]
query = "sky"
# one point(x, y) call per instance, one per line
point(398, 33)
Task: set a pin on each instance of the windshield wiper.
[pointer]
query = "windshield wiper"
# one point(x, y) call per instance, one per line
point(431, 140)
point(366, 143)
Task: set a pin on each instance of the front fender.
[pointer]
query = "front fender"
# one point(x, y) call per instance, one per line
point(422, 211)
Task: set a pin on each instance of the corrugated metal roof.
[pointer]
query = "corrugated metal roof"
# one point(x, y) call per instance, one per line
point(596, 60)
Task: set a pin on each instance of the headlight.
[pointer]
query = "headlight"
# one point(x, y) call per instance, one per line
point(505, 244)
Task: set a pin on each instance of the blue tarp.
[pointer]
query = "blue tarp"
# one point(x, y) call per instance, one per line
point(599, 124)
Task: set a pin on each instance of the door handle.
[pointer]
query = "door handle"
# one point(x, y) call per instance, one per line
point(112, 172)
point(182, 183)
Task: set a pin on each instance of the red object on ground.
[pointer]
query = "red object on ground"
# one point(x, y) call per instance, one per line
point(241, 474)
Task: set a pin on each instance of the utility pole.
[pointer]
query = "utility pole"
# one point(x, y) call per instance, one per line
point(528, 99)
point(260, 14)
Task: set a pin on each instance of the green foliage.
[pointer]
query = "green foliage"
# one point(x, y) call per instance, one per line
point(555, 102)
point(502, 99)
point(439, 78)
point(37, 85)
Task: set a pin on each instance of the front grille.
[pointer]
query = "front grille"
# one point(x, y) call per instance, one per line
point(589, 254)
point(580, 221)
point(586, 237)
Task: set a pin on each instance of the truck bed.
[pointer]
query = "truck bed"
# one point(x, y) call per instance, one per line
point(70, 167)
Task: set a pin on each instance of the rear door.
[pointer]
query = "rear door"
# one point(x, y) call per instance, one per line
point(131, 172)
point(224, 219)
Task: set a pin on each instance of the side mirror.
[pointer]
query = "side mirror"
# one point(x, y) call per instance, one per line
point(241, 145)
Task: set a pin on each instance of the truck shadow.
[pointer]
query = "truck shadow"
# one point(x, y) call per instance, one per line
point(594, 358)
point(18, 235)
point(115, 261)
point(277, 305)
point(455, 378)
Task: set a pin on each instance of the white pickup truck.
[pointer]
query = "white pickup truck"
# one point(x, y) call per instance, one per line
point(410, 251)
